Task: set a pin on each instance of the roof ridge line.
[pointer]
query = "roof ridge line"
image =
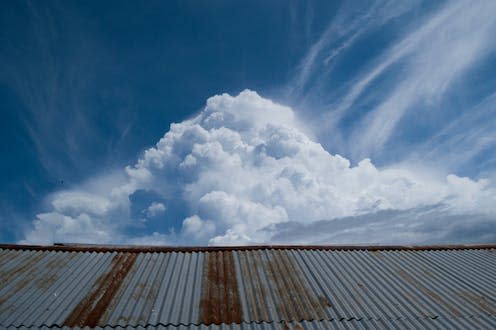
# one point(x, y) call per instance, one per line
point(69, 247)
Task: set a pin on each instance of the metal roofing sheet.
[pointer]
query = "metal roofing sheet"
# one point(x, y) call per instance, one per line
point(260, 287)
point(484, 322)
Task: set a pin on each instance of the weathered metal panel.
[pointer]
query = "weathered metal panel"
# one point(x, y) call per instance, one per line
point(160, 288)
point(48, 285)
point(439, 323)
point(397, 284)
point(249, 288)
point(220, 301)
point(273, 288)
point(485, 322)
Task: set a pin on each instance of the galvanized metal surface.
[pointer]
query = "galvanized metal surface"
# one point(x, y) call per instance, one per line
point(485, 322)
point(249, 288)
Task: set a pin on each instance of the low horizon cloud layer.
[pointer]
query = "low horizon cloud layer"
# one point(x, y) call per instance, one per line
point(246, 170)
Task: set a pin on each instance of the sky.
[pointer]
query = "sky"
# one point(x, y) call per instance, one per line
point(248, 122)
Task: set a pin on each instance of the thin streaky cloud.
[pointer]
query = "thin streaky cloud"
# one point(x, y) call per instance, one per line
point(348, 26)
point(462, 139)
point(396, 53)
point(344, 27)
point(438, 53)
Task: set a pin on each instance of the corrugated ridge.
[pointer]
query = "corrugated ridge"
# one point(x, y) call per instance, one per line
point(427, 322)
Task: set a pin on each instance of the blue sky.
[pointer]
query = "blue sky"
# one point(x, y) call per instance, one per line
point(87, 89)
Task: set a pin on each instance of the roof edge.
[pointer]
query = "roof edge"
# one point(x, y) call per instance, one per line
point(71, 247)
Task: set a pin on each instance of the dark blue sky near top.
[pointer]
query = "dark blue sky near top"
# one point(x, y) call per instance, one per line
point(87, 86)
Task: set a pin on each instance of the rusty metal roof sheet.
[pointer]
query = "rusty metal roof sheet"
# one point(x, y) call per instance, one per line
point(484, 322)
point(265, 287)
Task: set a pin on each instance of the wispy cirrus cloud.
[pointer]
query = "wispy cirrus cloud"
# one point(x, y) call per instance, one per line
point(472, 135)
point(410, 74)
point(349, 24)
point(51, 67)
point(436, 54)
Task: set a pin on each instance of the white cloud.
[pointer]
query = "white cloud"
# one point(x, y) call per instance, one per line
point(75, 202)
point(197, 228)
point(244, 168)
point(155, 238)
point(53, 227)
point(95, 212)
point(155, 209)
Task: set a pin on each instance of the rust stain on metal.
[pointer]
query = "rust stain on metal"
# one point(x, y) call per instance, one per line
point(28, 263)
point(149, 301)
point(146, 293)
point(412, 298)
point(297, 326)
point(220, 302)
point(482, 301)
point(42, 275)
point(286, 298)
point(410, 279)
point(92, 307)
point(255, 293)
point(139, 291)
point(46, 281)
point(275, 287)
point(29, 268)
point(324, 301)
point(294, 299)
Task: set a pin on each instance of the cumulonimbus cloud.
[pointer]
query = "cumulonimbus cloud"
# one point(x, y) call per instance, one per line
point(244, 170)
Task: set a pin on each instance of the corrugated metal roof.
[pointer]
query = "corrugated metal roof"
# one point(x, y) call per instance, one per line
point(248, 287)
point(484, 322)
